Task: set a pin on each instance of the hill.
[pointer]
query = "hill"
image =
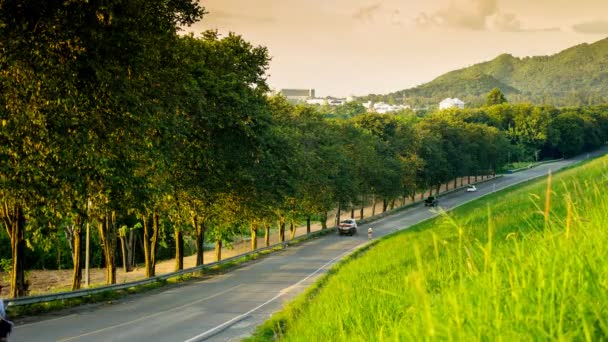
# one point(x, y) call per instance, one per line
point(575, 76)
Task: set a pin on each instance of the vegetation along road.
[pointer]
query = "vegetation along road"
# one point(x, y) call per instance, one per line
point(229, 306)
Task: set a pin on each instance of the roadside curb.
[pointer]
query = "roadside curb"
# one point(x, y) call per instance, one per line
point(532, 165)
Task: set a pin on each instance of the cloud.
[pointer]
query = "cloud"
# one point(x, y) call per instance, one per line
point(592, 27)
point(226, 16)
point(477, 15)
point(466, 14)
point(507, 22)
point(367, 13)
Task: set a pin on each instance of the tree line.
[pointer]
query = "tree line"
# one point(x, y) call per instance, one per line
point(162, 142)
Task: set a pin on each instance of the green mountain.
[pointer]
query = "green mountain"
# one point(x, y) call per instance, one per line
point(576, 76)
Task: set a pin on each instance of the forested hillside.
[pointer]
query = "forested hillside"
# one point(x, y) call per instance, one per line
point(576, 76)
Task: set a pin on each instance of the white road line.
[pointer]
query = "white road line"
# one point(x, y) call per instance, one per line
point(16, 327)
point(149, 316)
point(284, 291)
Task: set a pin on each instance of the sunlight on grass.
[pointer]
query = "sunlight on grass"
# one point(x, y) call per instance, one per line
point(529, 264)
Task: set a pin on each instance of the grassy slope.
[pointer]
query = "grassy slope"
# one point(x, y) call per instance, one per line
point(492, 270)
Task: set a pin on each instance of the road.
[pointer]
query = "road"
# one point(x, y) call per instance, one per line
point(228, 307)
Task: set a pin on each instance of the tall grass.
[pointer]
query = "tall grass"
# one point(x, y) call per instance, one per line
point(529, 264)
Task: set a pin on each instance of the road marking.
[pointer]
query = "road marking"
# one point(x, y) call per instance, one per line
point(284, 291)
point(45, 321)
point(149, 316)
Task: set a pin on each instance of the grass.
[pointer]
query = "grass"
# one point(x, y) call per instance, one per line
point(527, 264)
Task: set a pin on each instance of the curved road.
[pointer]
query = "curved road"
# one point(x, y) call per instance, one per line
point(228, 307)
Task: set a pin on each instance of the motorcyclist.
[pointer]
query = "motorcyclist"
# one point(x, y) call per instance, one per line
point(6, 326)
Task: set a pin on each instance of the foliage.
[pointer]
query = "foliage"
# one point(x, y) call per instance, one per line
point(495, 97)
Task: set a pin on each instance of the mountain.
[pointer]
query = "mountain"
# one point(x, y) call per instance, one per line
point(575, 76)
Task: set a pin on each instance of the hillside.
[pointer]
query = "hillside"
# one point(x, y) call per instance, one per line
point(575, 76)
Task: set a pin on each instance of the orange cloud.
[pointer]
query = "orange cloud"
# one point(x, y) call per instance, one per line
point(592, 27)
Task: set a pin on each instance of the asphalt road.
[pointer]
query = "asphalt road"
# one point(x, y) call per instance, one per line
point(228, 307)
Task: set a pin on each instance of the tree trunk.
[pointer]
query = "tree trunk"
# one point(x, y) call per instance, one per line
point(149, 271)
point(461, 181)
point(218, 249)
point(130, 251)
point(374, 207)
point(422, 195)
point(292, 230)
point(361, 213)
point(199, 231)
point(308, 225)
point(151, 232)
point(352, 212)
point(338, 215)
point(469, 179)
point(266, 234)
point(392, 204)
point(14, 223)
point(74, 239)
point(475, 177)
point(123, 248)
point(179, 249)
point(438, 189)
point(281, 229)
point(384, 205)
point(107, 235)
point(324, 220)
point(455, 182)
point(254, 237)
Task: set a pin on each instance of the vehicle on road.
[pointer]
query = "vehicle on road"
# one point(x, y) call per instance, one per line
point(348, 227)
point(431, 201)
point(471, 188)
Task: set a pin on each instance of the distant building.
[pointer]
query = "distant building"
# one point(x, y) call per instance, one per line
point(316, 101)
point(451, 103)
point(330, 101)
point(383, 108)
point(298, 95)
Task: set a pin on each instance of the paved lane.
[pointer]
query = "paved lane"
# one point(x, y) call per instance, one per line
point(228, 307)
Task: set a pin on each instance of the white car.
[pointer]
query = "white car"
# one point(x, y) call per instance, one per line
point(471, 188)
point(348, 227)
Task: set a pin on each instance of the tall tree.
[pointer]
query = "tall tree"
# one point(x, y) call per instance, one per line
point(495, 97)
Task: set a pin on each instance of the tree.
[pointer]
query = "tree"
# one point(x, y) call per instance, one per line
point(570, 126)
point(495, 97)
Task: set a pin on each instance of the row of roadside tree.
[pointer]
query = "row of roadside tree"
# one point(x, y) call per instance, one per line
point(109, 118)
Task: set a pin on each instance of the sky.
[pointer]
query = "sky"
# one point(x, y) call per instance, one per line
point(358, 47)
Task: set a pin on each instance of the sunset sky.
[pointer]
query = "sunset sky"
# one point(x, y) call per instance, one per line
point(356, 47)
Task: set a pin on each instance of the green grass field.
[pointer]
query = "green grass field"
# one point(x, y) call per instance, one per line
point(513, 266)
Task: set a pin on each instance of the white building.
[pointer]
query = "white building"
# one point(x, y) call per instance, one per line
point(298, 95)
point(383, 108)
point(316, 101)
point(330, 101)
point(451, 103)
